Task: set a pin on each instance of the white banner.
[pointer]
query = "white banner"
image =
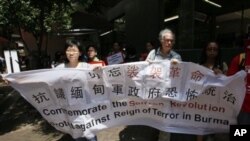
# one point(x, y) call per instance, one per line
point(181, 98)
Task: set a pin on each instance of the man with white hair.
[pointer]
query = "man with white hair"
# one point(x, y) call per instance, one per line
point(164, 52)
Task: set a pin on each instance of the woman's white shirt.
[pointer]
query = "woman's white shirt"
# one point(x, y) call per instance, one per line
point(80, 65)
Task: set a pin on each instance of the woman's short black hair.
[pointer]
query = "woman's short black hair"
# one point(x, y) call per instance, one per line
point(76, 43)
point(73, 42)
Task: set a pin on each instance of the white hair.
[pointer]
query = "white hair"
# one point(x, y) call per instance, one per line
point(164, 31)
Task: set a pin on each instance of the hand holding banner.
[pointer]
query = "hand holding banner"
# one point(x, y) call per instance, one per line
point(181, 98)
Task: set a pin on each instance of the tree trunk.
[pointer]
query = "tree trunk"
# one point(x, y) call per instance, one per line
point(25, 44)
point(40, 40)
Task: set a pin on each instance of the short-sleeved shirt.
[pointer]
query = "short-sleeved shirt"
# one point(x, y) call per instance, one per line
point(156, 56)
point(80, 65)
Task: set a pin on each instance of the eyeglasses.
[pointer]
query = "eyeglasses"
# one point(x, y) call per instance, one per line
point(72, 51)
point(168, 40)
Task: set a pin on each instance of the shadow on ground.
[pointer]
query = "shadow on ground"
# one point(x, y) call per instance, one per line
point(139, 133)
point(16, 112)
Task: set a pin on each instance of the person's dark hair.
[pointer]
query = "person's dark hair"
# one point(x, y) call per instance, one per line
point(119, 43)
point(152, 43)
point(73, 42)
point(93, 46)
point(70, 43)
point(218, 60)
point(131, 55)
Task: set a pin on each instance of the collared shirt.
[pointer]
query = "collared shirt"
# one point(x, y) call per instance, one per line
point(97, 62)
point(156, 56)
point(96, 59)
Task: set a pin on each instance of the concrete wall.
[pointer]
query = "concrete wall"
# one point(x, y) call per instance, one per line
point(144, 20)
point(232, 33)
point(233, 26)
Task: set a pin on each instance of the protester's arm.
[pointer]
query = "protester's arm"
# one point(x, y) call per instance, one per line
point(62, 65)
point(217, 71)
point(222, 70)
point(5, 81)
point(151, 56)
point(94, 67)
point(225, 68)
point(177, 57)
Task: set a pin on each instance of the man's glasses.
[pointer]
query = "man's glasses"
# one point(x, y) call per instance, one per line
point(168, 40)
point(72, 51)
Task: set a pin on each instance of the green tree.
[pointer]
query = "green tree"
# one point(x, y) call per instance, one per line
point(38, 17)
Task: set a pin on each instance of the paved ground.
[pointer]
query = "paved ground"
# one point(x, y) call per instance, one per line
point(33, 133)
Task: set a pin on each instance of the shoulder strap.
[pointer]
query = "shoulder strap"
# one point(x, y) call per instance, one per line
point(155, 52)
point(242, 61)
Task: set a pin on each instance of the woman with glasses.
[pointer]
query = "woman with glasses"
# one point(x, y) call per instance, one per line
point(73, 52)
